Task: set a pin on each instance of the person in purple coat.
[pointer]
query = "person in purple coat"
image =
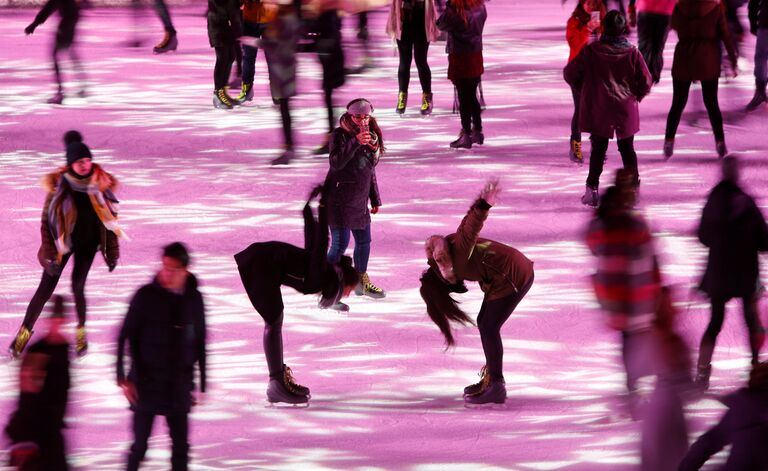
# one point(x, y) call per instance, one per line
point(613, 78)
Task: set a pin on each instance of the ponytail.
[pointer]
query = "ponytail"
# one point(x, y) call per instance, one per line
point(441, 307)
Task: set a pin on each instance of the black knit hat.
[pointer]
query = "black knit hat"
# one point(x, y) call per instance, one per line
point(76, 151)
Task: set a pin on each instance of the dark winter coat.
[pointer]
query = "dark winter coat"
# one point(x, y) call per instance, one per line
point(166, 333)
point(734, 229)
point(758, 15)
point(279, 42)
point(465, 41)
point(500, 270)
point(701, 27)
point(744, 426)
point(224, 22)
point(351, 181)
point(70, 15)
point(613, 79)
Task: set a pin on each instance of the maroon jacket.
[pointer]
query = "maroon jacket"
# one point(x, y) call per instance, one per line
point(700, 26)
point(613, 78)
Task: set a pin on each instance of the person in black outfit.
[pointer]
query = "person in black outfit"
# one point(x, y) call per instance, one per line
point(165, 329)
point(735, 230)
point(266, 266)
point(224, 28)
point(65, 38)
point(331, 57)
point(35, 427)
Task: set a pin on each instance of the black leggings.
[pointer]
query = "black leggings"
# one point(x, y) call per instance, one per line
point(328, 97)
point(178, 428)
point(680, 91)
point(59, 49)
point(469, 107)
point(83, 261)
point(597, 158)
point(756, 333)
point(413, 44)
point(224, 58)
point(493, 314)
point(285, 115)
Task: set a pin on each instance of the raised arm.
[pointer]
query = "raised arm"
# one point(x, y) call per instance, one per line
point(470, 227)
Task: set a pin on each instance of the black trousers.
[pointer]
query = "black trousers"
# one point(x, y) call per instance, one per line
point(469, 107)
point(224, 58)
point(178, 427)
point(285, 116)
point(680, 91)
point(575, 129)
point(413, 44)
point(652, 31)
point(708, 340)
point(597, 158)
point(493, 314)
point(83, 261)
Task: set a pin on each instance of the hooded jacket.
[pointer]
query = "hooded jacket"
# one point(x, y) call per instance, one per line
point(701, 27)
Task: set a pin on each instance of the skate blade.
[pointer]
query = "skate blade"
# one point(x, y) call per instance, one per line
point(286, 405)
point(487, 406)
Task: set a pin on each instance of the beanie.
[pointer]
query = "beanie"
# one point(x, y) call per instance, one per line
point(76, 151)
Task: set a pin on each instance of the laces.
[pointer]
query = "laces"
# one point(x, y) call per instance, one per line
point(222, 94)
point(290, 381)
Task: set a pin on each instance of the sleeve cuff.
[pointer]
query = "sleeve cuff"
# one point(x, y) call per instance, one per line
point(482, 205)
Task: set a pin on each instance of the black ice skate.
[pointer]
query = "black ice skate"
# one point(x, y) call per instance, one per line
point(495, 393)
point(478, 387)
point(279, 393)
point(167, 44)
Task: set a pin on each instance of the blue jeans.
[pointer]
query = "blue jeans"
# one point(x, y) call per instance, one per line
point(249, 53)
point(340, 242)
point(761, 57)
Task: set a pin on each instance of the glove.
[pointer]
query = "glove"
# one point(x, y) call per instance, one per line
point(53, 268)
point(111, 264)
point(30, 29)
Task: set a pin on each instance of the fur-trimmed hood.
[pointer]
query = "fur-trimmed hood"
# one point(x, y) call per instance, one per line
point(106, 180)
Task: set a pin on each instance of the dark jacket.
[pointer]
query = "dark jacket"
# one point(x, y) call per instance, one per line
point(70, 15)
point(744, 426)
point(279, 42)
point(734, 229)
point(499, 269)
point(465, 41)
point(700, 26)
point(758, 15)
point(351, 181)
point(166, 333)
point(613, 79)
point(224, 22)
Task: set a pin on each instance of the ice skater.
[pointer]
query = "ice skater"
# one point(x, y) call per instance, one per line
point(266, 266)
point(79, 219)
point(224, 30)
point(505, 275)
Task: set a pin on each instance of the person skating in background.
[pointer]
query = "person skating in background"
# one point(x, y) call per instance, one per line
point(734, 230)
point(36, 425)
point(266, 266)
point(257, 16)
point(582, 27)
point(79, 219)
point(463, 21)
point(505, 275)
point(169, 41)
point(700, 27)
point(224, 30)
point(652, 19)
point(166, 332)
point(758, 26)
point(63, 42)
point(613, 79)
point(412, 24)
point(356, 146)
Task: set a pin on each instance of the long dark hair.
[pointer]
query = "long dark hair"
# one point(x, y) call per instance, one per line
point(441, 307)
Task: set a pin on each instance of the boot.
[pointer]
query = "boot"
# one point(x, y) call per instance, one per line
point(702, 377)
point(278, 391)
point(168, 43)
point(480, 386)
point(402, 101)
point(575, 154)
point(590, 197)
point(19, 342)
point(463, 142)
point(222, 100)
point(477, 136)
point(365, 287)
point(246, 92)
point(759, 97)
point(81, 341)
point(339, 306)
point(722, 151)
point(494, 393)
point(426, 104)
point(669, 148)
point(293, 386)
point(284, 159)
point(56, 99)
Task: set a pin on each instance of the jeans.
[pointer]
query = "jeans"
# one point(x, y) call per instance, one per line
point(652, 31)
point(469, 107)
point(597, 158)
point(178, 427)
point(761, 58)
point(680, 91)
point(249, 53)
point(340, 242)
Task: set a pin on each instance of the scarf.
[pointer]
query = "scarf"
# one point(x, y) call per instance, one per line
point(618, 41)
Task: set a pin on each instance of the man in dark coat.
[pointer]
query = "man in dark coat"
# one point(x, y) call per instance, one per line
point(734, 229)
point(165, 328)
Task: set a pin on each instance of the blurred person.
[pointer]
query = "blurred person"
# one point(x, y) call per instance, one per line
point(257, 16)
point(734, 230)
point(463, 21)
point(169, 41)
point(701, 27)
point(69, 10)
point(744, 427)
point(266, 266)
point(412, 24)
point(582, 27)
point(758, 26)
point(652, 18)
point(613, 78)
point(224, 31)
point(166, 333)
point(505, 275)
point(36, 425)
point(733, 20)
point(79, 218)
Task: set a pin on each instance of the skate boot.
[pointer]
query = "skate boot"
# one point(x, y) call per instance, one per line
point(222, 100)
point(669, 148)
point(366, 288)
point(284, 159)
point(19, 342)
point(759, 97)
point(477, 136)
point(426, 104)
point(402, 101)
point(575, 154)
point(278, 391)
point(494, 393)
point(590, 197)
point(246, 93)
point(478, 387)
point(293, 386)
point(168, 43)
point(56, 99)
point(463, 142)
point(81, 341)
point(339, 306)
point(722, 151)
point(702, 377)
